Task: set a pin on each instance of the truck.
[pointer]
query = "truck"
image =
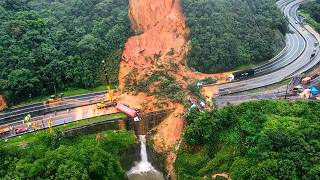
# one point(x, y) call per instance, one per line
point(314, 76)
point(306, 80)
point(4, 130)
point(127, 110)
point(238, 75)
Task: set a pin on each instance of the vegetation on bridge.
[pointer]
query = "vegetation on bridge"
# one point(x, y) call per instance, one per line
point(229, 34)
point(47, 44)
point(82, 157)
point(254, 140)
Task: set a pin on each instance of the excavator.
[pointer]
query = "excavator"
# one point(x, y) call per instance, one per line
point(109, 99)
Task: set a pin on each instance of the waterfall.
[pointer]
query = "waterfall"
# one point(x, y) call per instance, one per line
point(143, 152)
point(144, 169)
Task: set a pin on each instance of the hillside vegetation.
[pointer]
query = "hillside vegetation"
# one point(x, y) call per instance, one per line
point(59, 43)
point(254, 140)
point(312, 8)
point(228, 34)
point(81, 157)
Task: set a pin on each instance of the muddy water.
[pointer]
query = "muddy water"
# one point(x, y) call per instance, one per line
point(137, 164)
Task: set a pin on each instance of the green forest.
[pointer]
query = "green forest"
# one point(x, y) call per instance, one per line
point(77, 158)
point(312, 10)
point(48, 44)
point(233, 33)
point(271, 139)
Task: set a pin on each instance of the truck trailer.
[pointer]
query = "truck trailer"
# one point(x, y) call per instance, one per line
point(127, 110)
point(241, 75)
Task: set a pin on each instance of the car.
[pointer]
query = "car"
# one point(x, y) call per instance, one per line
point(296, 22)
point(21, 130)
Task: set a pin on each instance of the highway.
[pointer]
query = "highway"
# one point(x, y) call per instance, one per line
point(58, 118)
point(39, 109)
point(295, 61)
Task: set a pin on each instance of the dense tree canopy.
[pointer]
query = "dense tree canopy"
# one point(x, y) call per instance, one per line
point(254, 140)
point(227, 34)
point(76, 158)
point(312, 8)
point(61, 43)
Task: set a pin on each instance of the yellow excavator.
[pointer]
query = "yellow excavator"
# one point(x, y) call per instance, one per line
point(109, 98)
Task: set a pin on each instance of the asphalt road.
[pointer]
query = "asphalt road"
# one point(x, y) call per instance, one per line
point(279, 93)
point(58, 118)
point(295, 61)
point(39, 109)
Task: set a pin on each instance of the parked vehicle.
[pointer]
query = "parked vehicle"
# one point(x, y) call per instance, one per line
point(4, 130)
point(306, 80)
point(296, 89)
point(21, 130)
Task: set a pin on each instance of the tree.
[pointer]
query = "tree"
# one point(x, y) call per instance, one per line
point(254, 140)
point(21, 83)
point(72, 170)
point(228, 34)
point(61, 43)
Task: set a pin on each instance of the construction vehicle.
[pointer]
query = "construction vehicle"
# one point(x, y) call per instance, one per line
point(55, 98)
point(127, 110)
point(109, 95)
point(109, 99)
point(102, 104)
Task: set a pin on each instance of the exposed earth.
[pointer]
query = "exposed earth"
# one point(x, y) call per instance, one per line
point(161, 42)
point(3, 104)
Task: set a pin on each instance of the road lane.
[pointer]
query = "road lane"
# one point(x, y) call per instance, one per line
point(300, 64)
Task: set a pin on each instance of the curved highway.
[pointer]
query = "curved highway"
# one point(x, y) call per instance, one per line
point(296, 60)
point(283, 58)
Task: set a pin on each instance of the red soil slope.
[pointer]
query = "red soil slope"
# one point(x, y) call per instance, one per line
point(161, 40)
point(3, 104)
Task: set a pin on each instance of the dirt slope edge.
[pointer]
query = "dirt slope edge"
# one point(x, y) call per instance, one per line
point(160, 44)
